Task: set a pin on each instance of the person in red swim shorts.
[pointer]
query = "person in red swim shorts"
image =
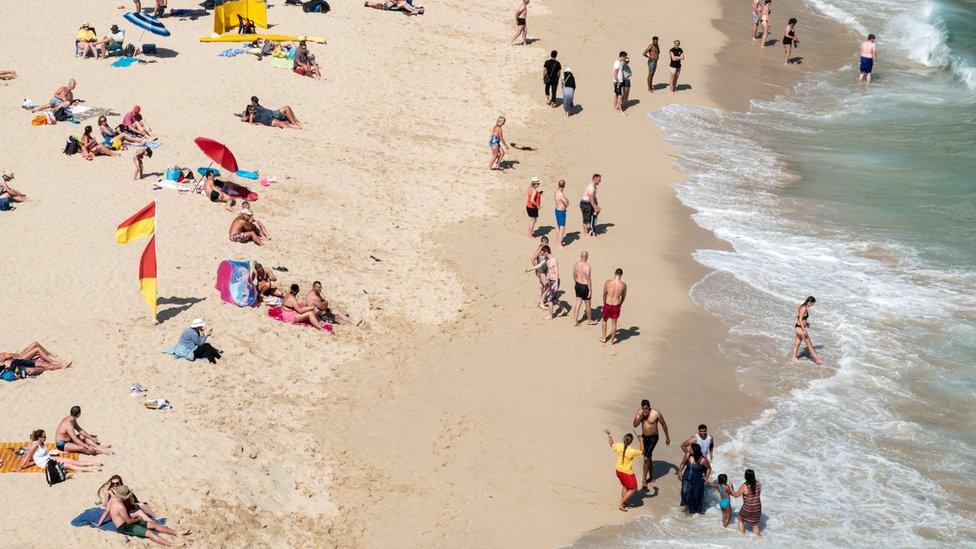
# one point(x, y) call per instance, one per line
point(625, 466)
point(614, 293)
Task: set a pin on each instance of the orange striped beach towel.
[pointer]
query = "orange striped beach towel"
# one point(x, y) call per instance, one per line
point(11, 461)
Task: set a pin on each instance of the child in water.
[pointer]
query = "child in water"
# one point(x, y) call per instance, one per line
point(723, 488)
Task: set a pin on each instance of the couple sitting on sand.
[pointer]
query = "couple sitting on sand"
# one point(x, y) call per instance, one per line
point(9, 194)
point(245, 228)
point(284, 117)
point(34, 360)
point(313, 310)
point(87, 42)
point(130, 516)
point(69, 437)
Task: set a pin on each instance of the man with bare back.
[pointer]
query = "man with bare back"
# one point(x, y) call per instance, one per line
point(648, 418)
point(584, 290)
point(315, 299)
point(70, 437)
point(614, 294)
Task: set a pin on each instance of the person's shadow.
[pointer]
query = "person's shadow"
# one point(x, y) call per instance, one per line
point(798, 60)
point(601, 228)
point(771, 42)
point(623, 334)
point(542, 230)
point(180, 304)
point(631, 103)
point(682, 87)
point(571, 237)
point(507, 164)
point(658, 87)
point(805, 352)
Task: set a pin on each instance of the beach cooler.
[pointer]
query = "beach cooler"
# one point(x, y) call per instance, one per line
point(149, 49)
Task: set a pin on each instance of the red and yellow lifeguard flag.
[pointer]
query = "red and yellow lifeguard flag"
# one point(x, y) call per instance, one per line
point(143, 223)
point(147, 275)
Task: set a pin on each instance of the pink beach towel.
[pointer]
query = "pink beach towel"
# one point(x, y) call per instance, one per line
point(288, 316)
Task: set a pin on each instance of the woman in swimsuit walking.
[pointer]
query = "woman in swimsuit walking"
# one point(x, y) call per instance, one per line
point(802, 331)
point(498, 144)
point(789, 39)
point(751, 510)
point(533, 199)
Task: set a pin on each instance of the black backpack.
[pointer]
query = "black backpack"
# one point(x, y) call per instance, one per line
point(317, 6)
point(60, 114)
point(72, 146)
point(55, 473)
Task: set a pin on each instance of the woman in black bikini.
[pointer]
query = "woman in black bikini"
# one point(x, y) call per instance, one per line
point(801, 331)
point(789, 39)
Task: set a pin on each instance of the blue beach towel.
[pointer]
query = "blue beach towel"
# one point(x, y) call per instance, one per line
point(125, 62)
point(246, 174)
point(232, 52)
point(154, 144)
point(89, 517)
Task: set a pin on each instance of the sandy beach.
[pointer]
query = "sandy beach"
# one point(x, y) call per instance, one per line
point(457, 415)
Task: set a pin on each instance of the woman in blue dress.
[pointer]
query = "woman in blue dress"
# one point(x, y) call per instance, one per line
point(693, 471)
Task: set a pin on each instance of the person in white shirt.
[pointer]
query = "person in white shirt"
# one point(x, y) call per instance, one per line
point(702, 439)
point(618, 78)
point(111, 42)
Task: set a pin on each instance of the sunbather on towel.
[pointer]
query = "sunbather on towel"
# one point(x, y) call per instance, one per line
point(6, 191)
point(264, 281)
point(243, 229)
point(63, 97)
point(295, 313)
point(38, 452)
point(315, 299)
point(110, 134)
point(396, 5)
point(137, 509)
point(135, 123)
point(71, 437)
point(90, 147)
point(305, 64)
point(213, 188)
point(86, 41)
point(281, 118)
point(129, 525)
point(33, 360)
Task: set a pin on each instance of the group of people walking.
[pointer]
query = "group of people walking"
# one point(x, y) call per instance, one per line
point(694, 472)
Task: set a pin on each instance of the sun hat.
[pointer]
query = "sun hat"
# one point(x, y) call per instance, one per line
point(567, 69)
point(536, 180)
point(245, 211)
point(123, 492)
point(198, 323)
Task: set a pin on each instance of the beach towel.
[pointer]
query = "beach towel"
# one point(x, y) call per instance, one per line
point(239, 191)
point(154, 144)
point(89, 517)
point(124, 62)
point(282, 63)
point(234, 283)
point(288, 317)
point(232, 52)
point(247, 174)
point(11, 461)
point(170, 184)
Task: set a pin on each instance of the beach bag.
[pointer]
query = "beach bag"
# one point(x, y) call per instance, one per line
point(39, 120)
point(7, 375)
point(60, 114)
point(316, 6)
point(72, 146)
point(55, 473)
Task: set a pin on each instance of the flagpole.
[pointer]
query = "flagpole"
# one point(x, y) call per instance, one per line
point(156, 232)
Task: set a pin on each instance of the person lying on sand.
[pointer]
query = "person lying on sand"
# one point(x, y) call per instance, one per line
point(90, 147)
point(243, 229)
point(396, 5)
point(71, 437)
point(33, 360)
point(38, 452)
point(6, 191)
point(134, 526)
point(294, 312)
point(110, 134)
point(213, 188)
point(8, 75)
point(323, 312)
point(281, 118)
point(264, 281)
point(63, 97)
point(135, 508)
point(136, 125)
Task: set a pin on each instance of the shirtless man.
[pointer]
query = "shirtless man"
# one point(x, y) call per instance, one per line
point(63, 97)
point(648, 418)
point(520, 30)
point(242, 229)
point(213, 189)
point(70, 437)
point(589, 206)
point(652, 53)
point(562, 203)
point(315, 299)
point(703, 440)
point(869, 58)
point(614, 294)
point(131, 526)
point(756, 18)
point(548, 261)
point(584, 290)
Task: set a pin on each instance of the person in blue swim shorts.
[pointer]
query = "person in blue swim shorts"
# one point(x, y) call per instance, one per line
point(561, 204)
point(869, 57)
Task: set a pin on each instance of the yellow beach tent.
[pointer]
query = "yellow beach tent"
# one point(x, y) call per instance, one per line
point(226, 14)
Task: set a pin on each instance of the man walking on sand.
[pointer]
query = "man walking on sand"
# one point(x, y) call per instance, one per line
point(617, 76)
point(561, 204)
point(550, 76)
point(614, 294)
point(869, 57)
point(584, 290)
point(589, 206)
point(520, 13)
point(652, 53)
point(648, 418)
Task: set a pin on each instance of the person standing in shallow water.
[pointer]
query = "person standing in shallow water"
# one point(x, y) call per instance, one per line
point(801, 331)
point(648, 419)
point(693, 472)
point(789, 39)
point(869, 57)
point(751, 510)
